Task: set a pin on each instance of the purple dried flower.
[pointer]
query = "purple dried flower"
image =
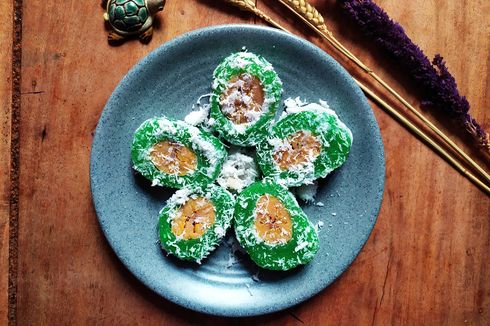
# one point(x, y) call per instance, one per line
point(439, 87)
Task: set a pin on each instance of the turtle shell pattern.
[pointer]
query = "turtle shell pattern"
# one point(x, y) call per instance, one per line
point(127, 15)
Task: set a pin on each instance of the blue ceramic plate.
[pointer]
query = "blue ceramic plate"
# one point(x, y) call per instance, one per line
point(169, 81)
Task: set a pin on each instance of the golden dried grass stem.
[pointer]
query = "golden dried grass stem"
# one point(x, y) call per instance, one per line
point(424, 136)
point(249, 6)
point(315, 21)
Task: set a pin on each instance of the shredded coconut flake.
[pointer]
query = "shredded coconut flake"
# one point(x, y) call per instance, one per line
point(307, 192)
point(297, 105)
point(196, 118)
point(180, 196)
point(200, 114)
point(248, 289)
point(319, 225)
point(220, 232)
point(255, 277)
point(300, 246)
point(238, 172)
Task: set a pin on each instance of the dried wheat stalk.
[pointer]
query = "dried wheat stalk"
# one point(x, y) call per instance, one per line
point(314, 19)
point(248, 5)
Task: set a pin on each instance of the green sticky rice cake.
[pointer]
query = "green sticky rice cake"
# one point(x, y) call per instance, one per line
point(272, 228)
point(194, 221)
point(304, 145)
point(174, 154)
point(246, 95)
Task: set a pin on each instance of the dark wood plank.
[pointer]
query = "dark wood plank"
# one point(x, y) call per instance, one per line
point(426, 262)
point(5, 115)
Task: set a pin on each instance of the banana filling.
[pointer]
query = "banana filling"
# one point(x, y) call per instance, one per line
point(242, 100)
point(173, 158)
point(299, 148)
point(194, 218)
point(272, 220)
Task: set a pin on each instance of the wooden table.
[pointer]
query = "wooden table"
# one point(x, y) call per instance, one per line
point(426, 262)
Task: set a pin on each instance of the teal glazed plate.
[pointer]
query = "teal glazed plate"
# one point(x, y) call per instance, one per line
point(168, 82)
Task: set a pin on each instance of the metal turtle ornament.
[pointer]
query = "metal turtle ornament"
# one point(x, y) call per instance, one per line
point(131, 17)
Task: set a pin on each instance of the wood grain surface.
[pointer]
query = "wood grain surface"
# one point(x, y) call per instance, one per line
point(427, 261)
point(5, 108)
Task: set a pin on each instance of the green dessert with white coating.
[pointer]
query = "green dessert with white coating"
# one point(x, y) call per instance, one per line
point(246, 95)
point(304, 145)
point(272, 228)
point(194, 221)
point(172, 153)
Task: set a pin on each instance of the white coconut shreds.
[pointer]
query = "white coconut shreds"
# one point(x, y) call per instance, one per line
point(280, 145)
point(205, 147)
point(300, 246)
point(220, 231)
point(307, 192)
point(318, 226)
point(195, 118)
point(238, 172)
point(295, 105)
point(180, 196)
point(167, 126)
point(200, 113)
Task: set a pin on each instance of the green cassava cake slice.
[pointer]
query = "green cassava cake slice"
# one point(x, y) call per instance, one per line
point(172, 153)
point(246, 95)
point(272, 228)
point(304, 145)
point(194, 221)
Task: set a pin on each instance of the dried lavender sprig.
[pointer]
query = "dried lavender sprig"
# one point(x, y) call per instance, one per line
point(440, 88)
point(311, 17)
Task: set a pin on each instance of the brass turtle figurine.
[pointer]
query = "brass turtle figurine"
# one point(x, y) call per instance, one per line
point(131, 17)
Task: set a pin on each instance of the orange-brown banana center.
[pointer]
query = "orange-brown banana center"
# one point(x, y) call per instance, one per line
point(242, 99)
point(173, 158)
point(303, 147)
point(194, 218)
point(272, 220)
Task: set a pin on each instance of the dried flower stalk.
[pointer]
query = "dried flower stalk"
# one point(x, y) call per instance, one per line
point(249, 5)
point(440, 88)
point(309, 12)
point(245, 5)
point(303, 11)
point(424, 136)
